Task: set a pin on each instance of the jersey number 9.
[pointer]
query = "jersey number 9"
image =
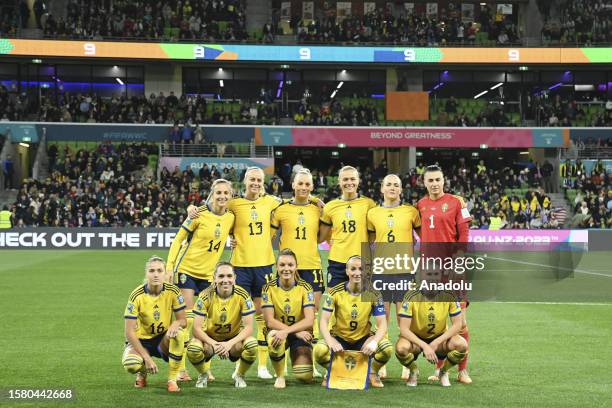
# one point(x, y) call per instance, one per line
point(353, 325)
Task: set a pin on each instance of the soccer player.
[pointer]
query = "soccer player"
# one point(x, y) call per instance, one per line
point(351, 329)
point(424, 328)
point(344, 225)
point(392, 222)
point(149, 329)
point(223, 325)
point(444, 221)
point(197, 248)
point(288, 309)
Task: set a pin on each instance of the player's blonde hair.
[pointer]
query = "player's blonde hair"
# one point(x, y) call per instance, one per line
point(216, 183)
point(302, 172)
point(348, 168)
point(352, 258)
point(152, 259)
point(220, 264)
point(391, 175)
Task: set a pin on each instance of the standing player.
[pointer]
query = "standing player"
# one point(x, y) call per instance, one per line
point(223, 325)
point(344, 223)
point(392, 222)
point(149, 329)
point(288, 304)
point(444, 221)
point(351, 329)
point(424, 328)
point(197, 248)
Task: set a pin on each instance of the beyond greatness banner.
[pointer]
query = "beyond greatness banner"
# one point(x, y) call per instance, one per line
point(302, 53)
point(156, 238)
point(312, 136)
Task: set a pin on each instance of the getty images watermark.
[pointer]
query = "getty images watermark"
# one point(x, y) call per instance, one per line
point(393, 269)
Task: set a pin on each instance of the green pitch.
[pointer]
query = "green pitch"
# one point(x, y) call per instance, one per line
point(62, 327)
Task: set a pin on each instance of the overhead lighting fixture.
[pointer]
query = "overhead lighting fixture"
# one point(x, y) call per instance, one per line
point(220, 69)
point(340, 85)
point(497, 85)
point(278, 153)
point(526, 153)
point(484, 146)
point(475, 154)
point(584, 88)
point(335, 153)
point(480, 94)
point(24, 144)
point(115, 67)
point(284, 66)
point(37, 61)
point(419, 154)
point(523, 68)
point(221, 83)
point(334, 93)
point(343, 71)
point(558, 84)
point(120, 81)
point(341, 145)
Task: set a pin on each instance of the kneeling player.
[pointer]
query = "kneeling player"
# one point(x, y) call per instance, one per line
point(352, 327)
point(149, 329)
point(288, 308)
point(424, 328)
point(219, 313)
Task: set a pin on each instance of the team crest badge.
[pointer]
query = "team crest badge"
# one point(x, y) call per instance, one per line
point(180, 299)
point(218, 231)
point(287, 309)
point(348, 213)
point(264, 297)
point(390, 222)
point(130, 308)
point(254, 215)
point(405, 306)
point(249, 304)
point(223, 317)
point(431, 317)
point(444, 207)
point(156, 315)
point(183, 278)
point(188, 222)
point(310, 296)
point(199, 304)
point(328, 301)
point(301, 219)
point(354, 314)
point(350, 362)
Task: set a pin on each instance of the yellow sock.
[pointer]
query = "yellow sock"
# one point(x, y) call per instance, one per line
point(452, 358)
point(315, 329)
point(175, 354)
point(248, 355)
point(195, 354)
point(132, 363)
point(382, 355)
point(262, 349)
point(207, 365)
point(302, 373)
point(188, 329)
point(277, 356)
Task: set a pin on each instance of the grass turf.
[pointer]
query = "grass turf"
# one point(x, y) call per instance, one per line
point(63, 327)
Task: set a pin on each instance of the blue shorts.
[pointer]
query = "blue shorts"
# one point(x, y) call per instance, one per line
point(186, 281)
point(153, 346)
point(252, 279)
point(314, 277)
point(293, 342)
point(336, 273)
point(355, 346)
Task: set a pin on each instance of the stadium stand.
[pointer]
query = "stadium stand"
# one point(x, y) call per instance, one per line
point(165, 20)
point(582, 22)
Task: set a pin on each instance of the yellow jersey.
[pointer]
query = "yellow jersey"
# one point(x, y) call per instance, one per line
point(153, 313)
point(349, 229)
point(393, 224)
point(429, 316)
point(352, 312)
point(223, 316)
point(289, 304)
point(252, 230)
point(299, 225)
point(199, 244)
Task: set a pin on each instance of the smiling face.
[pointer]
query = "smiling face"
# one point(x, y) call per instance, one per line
point(391, 187)
point(434, 182)
point(156, 273)
point(286, 267)
point(253, 181)
point(302, 185)
point(224, 279)
point(348, 180)
point(222, 193)
point(353, 270)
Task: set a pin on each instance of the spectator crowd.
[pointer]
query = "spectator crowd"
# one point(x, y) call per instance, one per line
point(581, 22)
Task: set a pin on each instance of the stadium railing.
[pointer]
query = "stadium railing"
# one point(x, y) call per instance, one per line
point(216, 150)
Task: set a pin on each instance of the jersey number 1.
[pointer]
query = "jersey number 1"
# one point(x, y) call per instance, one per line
point(431, 224)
